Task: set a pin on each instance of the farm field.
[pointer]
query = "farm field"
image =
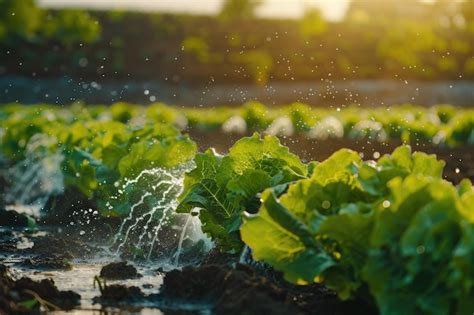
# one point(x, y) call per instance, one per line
point(236, 157)
point(310, 209)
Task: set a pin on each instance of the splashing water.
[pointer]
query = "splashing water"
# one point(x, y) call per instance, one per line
point(143, 229)
point(151, 226)
point(245, 255)
point(35, 179)
point(181, 239)
point(191, 233)
point(162, 178)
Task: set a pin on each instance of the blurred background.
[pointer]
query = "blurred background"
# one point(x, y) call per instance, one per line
point(221, 52)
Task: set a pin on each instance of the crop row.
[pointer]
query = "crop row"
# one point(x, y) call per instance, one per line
point(443, 125)
point(390, 230)
point(91, 153)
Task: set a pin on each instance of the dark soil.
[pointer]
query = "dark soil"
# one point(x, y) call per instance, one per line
point(120, 270)
point(61, 244)
point(51, 251)
point(233, 290)
point(13, 219)
point(7, 241)
point(220, 284)
point(76, 212)
point(117, 294)
point(19, 296)
point(244, 290)
point(48, 262)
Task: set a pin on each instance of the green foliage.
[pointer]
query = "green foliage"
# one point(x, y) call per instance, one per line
point(24, 19)
point(98, 154)
point(395, 50)
point(149, 153)
point(442, 125)
point(387, 39)
point(312, 23)
point(72, 26)
point(393, 226)
point(238, 9)
point(280, 238)
point(426, 230)
point(256, 116)
point(301, 116)
point(20, 18)
point(223, 187)
point(390, 230)
point(198, 47)
point(258, 64)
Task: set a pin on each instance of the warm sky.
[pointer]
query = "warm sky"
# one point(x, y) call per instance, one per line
point(332, 9)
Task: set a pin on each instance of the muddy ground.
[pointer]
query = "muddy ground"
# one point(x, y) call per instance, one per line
point(47, 269)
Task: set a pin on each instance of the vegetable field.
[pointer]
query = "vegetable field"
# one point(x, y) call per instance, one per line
point(238, 210)
point(237, 157)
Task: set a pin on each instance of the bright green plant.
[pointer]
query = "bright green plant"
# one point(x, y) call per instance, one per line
point(222, 187)
point(392, 230)
point(99, 155)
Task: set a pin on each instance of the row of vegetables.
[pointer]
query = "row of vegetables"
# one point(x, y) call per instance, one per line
point(97, 155)
point(392, 230)
point(443, 125)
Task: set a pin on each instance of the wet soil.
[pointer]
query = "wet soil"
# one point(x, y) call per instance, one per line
point(243, 289)
point(232, 290)
point(120, 270)
point(26, 296)
point(118, 294)
point(220, 285)
point(15, 219)
point(48, 262)
point(61, 246)
point(49, 254)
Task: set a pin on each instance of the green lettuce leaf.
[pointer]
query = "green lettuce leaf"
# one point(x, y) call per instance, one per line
point(420, 249)
point(392, 229)
point(151, 153)
point(375, 176)
point(223, 187)
point(279, 238)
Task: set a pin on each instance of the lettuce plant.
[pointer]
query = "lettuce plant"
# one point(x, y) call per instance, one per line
point(222, 187)
point(393, 231)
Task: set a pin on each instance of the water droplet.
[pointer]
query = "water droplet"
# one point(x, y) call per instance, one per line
point(420, 249)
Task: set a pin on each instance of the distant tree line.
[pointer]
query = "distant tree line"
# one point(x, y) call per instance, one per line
point(402, 39)
point(23, 20)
